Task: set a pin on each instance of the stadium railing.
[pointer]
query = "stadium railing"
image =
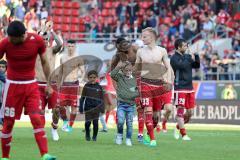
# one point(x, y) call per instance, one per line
point(229, 71)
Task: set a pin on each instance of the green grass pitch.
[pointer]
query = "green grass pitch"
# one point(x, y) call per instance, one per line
point(209, 143)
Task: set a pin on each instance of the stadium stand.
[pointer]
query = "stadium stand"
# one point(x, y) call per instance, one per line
point(100, 21)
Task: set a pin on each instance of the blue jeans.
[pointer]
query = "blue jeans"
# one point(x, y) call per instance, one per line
point(125, 111)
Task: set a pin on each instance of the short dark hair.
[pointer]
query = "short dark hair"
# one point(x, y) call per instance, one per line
point(3, 62)
point(122, 44)
point(179, 42)
point(120, 40)
point(16, 29)
point(92, 72)
point(71, 41)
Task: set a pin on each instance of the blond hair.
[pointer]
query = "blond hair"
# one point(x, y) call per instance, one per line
point(151, 30)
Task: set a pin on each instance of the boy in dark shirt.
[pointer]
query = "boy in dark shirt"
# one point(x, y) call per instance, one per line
point(92, 104)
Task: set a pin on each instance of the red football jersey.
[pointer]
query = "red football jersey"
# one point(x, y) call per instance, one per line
point(22, 58)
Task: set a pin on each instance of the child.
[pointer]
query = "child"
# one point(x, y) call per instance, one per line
point(3, 68)
point(126, 94)
point(92, 104)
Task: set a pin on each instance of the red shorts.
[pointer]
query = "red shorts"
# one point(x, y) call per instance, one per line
point(69, 94)
point(185, 98)
point(154, 95)
point(18, 95)
point(51, 100)
point(165, 99)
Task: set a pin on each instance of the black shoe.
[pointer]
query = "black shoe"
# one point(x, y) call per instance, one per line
point(88, 138)
point(94, 139)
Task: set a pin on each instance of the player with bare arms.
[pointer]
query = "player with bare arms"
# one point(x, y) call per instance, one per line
point(49, 99)
point(125, 52)
point(152, 84)
point(69, 85)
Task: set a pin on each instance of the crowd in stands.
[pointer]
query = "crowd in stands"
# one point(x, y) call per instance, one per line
point(31, 12)
point(175, 19)
point(172, 19)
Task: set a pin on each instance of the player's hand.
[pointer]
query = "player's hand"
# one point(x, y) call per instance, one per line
point(49, 25)
point(139, 107)
point(121, 64)
point(49, 90)
point(167, 86)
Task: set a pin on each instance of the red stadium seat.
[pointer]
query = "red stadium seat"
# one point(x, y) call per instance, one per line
point(81, 36)
point(110, 20)
point(81, 21)
point(66, 35)
point(67, 4)
point(66, 19)
point(65, 28)
point(112, 12)
point(59, 4)
point(57, 11)
point(144, 4)
point(75, 12)
point(74, 28)
point(115, 4)
point(57, 27)
point(67, 12)
point(75, 20)
point(105, 12)
point(74, 36)
point(57, 19)
point(75, 5)
point(107, 5)
point(82, 28)
point(53, 4)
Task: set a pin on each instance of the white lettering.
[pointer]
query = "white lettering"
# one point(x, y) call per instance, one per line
point(224, 112)
point(236, 113)
point(202, 112)
point(231, 111)
point(217, 113)
point(210, 112)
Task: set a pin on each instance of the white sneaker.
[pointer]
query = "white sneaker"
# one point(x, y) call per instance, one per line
point(55, 135)
point(119, 139)
point(65, 127)
point(176, 134)
point(128, 142)
point(164, 131)
point(186, 138)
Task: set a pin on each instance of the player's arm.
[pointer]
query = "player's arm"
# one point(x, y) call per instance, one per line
point(114, 61)
point(115, 72)
point(59, 43)
point(46, 67)
point(82, 99)
point(60, 74)
point(137, 67)
point(166, 63)
point(135, 48)
point(196, 61)
point(2, 48)
point(44, 60)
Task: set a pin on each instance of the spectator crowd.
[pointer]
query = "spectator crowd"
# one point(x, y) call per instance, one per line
point(188, 19)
